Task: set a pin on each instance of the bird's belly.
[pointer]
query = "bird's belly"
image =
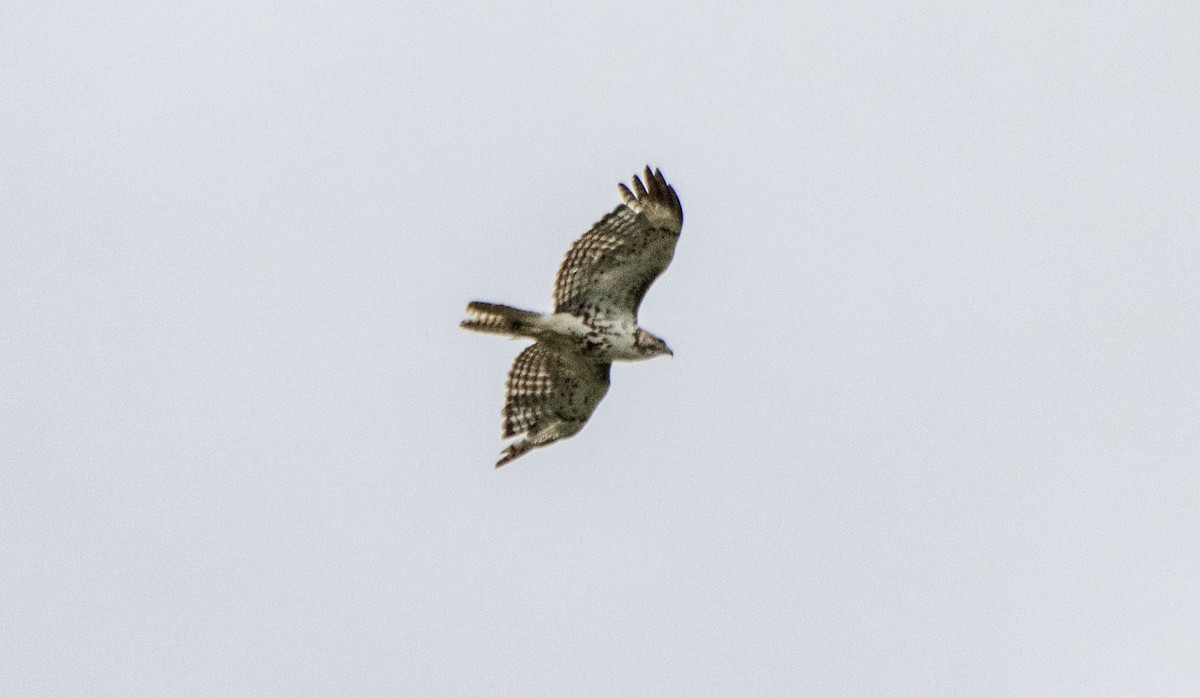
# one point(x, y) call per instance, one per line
point(611, 342)
point(598, 341)
point(618, 347)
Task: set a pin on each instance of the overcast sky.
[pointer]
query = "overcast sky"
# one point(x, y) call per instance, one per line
point(932, 426)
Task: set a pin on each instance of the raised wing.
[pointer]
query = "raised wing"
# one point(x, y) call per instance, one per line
point(607, 271)
point(550, 396)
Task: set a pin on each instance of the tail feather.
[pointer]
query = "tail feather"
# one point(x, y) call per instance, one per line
point(494, 318)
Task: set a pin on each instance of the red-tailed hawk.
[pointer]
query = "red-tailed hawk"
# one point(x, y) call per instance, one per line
point(556, 383)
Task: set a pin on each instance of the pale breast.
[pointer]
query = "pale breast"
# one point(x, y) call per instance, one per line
point(598, 338)
point(611, 340)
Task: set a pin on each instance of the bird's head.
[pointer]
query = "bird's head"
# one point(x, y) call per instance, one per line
point(650, 346)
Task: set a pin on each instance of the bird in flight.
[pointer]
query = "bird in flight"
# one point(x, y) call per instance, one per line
point(555, 384)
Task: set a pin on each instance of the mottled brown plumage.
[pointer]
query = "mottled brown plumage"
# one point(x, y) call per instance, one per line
point(555, 384)
point(550, 395)
point(609, 268)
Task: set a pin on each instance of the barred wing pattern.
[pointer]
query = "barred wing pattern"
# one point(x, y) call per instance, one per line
point(608, 270)
point(550, 396)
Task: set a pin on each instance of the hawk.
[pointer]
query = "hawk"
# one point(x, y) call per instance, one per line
point(555, 384)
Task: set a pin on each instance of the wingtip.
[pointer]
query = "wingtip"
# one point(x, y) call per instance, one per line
point(650, 183)
point(514, 451)
point(638, 188)
point(656, 189)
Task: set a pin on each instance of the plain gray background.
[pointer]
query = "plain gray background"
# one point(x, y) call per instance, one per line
point(932, 427)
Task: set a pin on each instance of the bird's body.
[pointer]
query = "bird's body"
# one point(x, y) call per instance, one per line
point(555, 384)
